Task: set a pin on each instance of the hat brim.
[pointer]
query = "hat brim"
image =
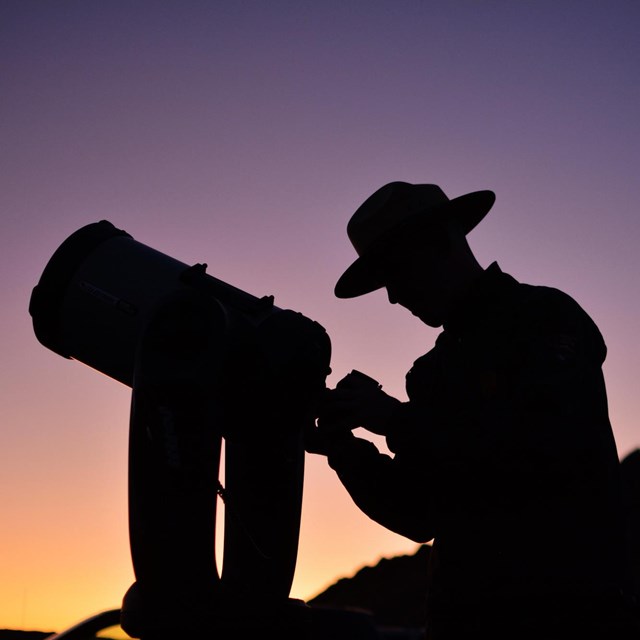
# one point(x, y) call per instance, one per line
point(362, 277)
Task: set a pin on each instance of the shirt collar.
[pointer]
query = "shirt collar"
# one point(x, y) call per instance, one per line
point(485, 294)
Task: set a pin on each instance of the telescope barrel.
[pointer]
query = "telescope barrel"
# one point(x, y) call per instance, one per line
point(100, 289)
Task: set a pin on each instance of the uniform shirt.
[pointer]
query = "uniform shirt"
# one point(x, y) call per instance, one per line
point(504, 456)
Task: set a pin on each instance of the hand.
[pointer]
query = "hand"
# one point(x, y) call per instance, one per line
point(324, 442)
point(357, 401)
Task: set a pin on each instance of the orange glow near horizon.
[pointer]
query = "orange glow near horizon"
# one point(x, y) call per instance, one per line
point(45, 586)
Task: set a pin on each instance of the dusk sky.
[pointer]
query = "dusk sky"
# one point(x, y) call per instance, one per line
point(244, 134)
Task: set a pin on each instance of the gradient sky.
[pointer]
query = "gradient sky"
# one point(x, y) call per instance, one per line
point(244, 134)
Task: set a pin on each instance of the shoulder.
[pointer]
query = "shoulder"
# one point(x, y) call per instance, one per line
point(546, 313)
point(547, 306)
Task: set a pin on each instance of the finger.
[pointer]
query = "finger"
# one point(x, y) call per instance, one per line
point(331, 403)
point(340, 413)
point(342, 395)
point(330, 426)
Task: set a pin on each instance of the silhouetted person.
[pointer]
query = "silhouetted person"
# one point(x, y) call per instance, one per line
point(630, 468)
point(504, 454)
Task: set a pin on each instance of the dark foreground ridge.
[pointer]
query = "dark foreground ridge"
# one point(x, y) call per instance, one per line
point(393, 591)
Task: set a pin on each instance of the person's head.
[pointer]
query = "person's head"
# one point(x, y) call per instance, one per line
point(411, 239)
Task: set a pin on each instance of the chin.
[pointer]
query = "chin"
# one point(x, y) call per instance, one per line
point(429, 320)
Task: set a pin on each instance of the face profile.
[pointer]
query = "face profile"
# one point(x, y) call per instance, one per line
point(412, 280)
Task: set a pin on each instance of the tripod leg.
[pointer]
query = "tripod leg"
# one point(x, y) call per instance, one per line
point(174, 455)
point(264, 457)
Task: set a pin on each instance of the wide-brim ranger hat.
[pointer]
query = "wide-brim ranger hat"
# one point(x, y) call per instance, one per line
point(390, 212)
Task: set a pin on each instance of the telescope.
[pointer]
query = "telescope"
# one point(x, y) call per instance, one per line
point(206, 362)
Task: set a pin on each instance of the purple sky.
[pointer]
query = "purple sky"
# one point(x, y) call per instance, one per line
point(244, 134)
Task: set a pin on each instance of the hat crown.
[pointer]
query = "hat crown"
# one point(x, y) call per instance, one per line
point(388, 208)
point(390, 214)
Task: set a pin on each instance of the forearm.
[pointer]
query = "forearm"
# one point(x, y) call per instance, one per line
point(401, 426)
point(382, 489)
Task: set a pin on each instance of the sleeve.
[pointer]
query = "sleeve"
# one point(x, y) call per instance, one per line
point(388, 492)
point(557, 357)
point(550, 410)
